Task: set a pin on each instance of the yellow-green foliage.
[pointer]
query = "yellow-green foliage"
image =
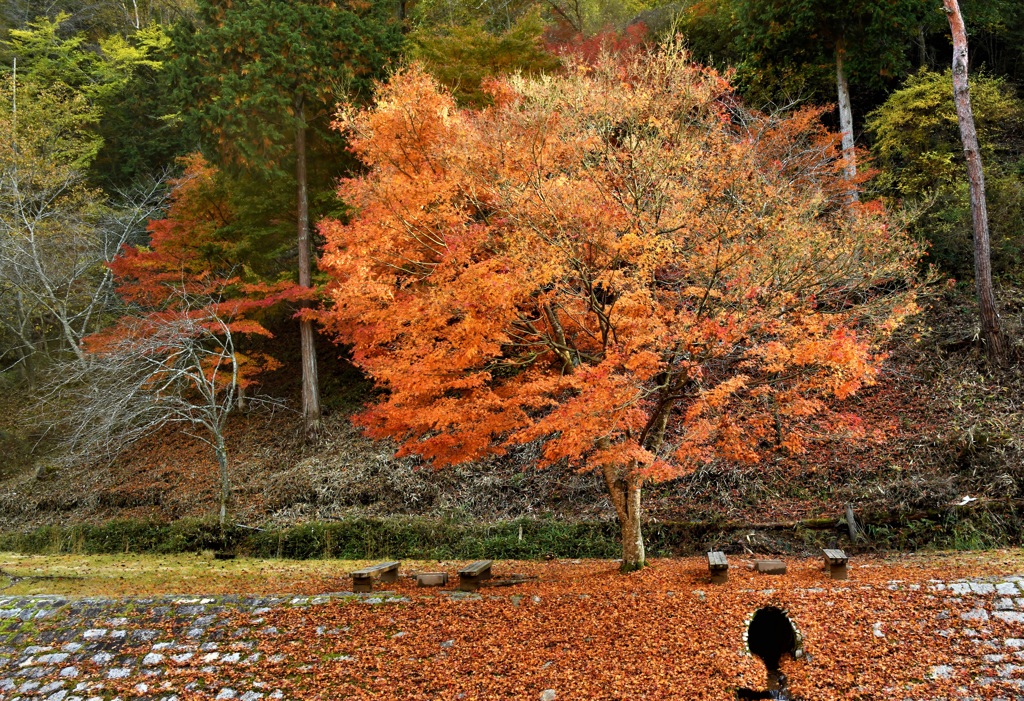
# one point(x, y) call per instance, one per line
point(47, 58)
point(920, 157)
point(917, 136)
point(603, 14)
point(69, 85)
point(52, 125)
point(463, 57)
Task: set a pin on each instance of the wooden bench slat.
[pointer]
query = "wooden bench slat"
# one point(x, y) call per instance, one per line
point(373, 569)
point(474, 569)
point(835, 563)
point(835, 555)
point(719, 567)
point(362, 580)
point(473, 574)
point(717, 560)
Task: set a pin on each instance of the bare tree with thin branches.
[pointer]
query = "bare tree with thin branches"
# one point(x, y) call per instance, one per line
point(167, 368)
point(57, 236)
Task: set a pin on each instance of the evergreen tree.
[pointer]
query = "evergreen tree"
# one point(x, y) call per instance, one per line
point(47, 59)
point(257, 77)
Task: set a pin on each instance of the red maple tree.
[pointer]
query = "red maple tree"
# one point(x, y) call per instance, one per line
point(619, 262)
point(189, 258)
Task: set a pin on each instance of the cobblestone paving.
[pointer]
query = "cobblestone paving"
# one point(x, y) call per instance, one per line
point(995, 626)
point(173, 648)
point(95, 648)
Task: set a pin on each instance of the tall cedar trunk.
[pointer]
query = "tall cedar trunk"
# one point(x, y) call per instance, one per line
point(846, 120)
point(225, 484)
point(624, 490)
point(995, 343)
point(310, 381)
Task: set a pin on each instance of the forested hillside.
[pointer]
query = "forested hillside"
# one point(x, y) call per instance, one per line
point(729, 263)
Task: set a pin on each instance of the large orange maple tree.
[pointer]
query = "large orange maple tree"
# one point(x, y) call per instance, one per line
point(619, 262)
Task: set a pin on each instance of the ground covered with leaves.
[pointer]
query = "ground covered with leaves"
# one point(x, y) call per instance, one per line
point(935, 627)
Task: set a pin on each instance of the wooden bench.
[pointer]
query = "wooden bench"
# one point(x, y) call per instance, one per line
point(473, 574)
point(719, 567)
point(835, 563)
point(362, 580)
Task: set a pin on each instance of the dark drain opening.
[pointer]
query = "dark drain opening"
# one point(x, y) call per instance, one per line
point(770, 637)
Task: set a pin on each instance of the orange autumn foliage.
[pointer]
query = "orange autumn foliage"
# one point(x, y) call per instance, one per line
point(186, 274)
point(188, 252)
point(619, 261)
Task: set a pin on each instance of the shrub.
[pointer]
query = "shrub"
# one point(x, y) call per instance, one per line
point(918, 150)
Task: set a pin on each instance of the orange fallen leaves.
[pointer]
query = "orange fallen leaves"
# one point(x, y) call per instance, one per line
point(662, 633)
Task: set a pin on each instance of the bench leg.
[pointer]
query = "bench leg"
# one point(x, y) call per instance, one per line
point(469, 583)
point(719, 576)
point(362, 585)
point(389, 577)
point(837, 571)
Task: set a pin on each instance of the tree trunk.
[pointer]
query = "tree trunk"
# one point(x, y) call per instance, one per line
point(634, 555)
point(846, 121)
point(851, 524)
point(310, 382)
point(995, 343)
point(225, 483)
point(28, 368)
point(625, 494)
point(26, 342)
point(242, 402)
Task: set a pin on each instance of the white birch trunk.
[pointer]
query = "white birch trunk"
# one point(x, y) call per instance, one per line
point(995, 343)
point(846, 122)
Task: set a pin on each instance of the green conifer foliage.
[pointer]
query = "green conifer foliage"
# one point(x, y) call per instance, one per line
point(257, 76)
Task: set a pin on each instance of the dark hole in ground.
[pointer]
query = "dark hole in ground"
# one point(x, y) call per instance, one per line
point(771, 636)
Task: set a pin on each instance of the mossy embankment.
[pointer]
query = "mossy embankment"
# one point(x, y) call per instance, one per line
point(520, 539)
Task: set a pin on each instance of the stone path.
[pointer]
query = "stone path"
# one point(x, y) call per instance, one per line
point(173, 648)
point(995, 602)
point(87, 649)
